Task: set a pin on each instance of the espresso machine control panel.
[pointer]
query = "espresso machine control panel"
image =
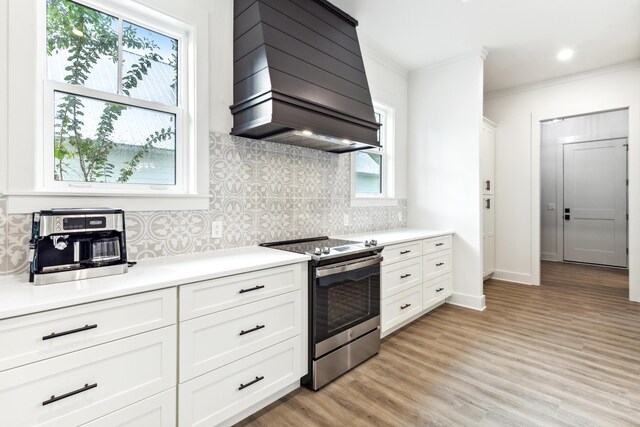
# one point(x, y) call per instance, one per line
point(73, 244)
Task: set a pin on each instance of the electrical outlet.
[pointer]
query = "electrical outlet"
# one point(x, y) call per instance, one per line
point(346, 220)
point(551, 206)
point(216, 229)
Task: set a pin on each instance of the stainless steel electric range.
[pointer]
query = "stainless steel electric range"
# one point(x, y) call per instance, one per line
point(344, 304)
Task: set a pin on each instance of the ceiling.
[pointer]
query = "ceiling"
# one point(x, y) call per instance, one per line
point(522, 36)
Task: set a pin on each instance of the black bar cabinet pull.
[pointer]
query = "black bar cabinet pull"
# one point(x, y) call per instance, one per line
point(439, 244)
point(404, 252)
point(71, 393)
point(69, 332)
point(439, 289)
point(243, 386)
point(488, 203)
point(439, 264)
point(405, 306)
point(255, 288)
point(258, 327)
point(487, 185)
point(404, 276)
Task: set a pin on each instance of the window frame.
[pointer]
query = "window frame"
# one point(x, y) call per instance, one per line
point(185, 145)
point(387, 140)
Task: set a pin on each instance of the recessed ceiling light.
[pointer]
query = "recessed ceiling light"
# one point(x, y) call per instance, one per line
point(565, 54)
point(307, 132)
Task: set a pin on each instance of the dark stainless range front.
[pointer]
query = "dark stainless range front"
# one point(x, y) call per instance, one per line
point(344, 304)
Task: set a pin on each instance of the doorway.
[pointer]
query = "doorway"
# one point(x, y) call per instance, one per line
point(583, 171)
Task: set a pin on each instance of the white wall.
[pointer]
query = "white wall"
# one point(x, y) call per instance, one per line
point(4, 29)
point(592, 127)
point(518, 160)
point(445, 115)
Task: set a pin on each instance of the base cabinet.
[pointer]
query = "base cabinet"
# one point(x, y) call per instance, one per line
point(416, 283)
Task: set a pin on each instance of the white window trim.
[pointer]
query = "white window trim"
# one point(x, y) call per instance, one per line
point(387, 198)
point(24, 189)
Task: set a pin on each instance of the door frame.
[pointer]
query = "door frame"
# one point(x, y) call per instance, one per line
point(633, 171)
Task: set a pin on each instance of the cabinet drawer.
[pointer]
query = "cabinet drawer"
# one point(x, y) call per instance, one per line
point(436, 290)
point(79, 387)
point(436, 244)
point(218, 395)
point(211, 296)
point(402, 251)
point(40, 336)
point(155, 411)
point(400, 276)
point(211, 341)
point(436, 264)
point(401, 307)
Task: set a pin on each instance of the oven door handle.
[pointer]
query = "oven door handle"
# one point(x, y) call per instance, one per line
point(330, 270)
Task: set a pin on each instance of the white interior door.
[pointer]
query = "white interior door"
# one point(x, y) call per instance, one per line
point(595, 202)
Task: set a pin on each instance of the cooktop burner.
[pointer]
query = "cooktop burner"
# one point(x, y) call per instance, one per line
point(323, 247)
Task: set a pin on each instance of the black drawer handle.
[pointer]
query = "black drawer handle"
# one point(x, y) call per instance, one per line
point(243, 386)
point(255, 288)
point(405, 306)
point(439, 264)
point(439, 289)
point(69, 332)
point(257, 328)
point(439, 244)
point(71, 393)
point(404, 252)
point(404, 276)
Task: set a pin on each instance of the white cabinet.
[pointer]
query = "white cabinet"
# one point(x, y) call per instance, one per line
point(242, 343)
point(487, 170)
point(156, 411)
point(415, 278)
point(73, 365)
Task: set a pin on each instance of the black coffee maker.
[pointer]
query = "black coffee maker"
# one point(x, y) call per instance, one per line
point(74, 244)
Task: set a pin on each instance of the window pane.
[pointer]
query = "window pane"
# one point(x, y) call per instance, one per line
point(150, 68)
point(82, 46)
point(368, 173)
point(99, 141)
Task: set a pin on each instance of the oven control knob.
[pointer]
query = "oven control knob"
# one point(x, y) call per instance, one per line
point(366, 243)
point(317, 251)
point(373, 242)
point(326, 250)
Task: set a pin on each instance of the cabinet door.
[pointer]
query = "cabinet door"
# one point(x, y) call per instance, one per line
point(488, 216)
point(487, 160)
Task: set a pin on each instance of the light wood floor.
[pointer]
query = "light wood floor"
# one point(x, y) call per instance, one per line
point(566, 353)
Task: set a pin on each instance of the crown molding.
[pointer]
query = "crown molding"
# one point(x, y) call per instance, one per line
point(377, 56)
point(563, 79)
point(476, 53)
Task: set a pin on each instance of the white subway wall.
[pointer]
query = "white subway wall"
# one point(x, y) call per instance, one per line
point(517, 217)
point(445, 115)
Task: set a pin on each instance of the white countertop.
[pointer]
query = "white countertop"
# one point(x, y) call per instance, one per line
point(390, 237)
point(19, 297)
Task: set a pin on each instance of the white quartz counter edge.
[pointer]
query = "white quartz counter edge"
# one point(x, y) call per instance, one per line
point(18, 297)
point(391, 237)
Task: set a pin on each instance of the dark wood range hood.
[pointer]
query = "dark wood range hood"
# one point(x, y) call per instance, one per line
point(299, 77)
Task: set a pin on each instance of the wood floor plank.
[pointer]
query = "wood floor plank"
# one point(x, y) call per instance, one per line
point(566, 353)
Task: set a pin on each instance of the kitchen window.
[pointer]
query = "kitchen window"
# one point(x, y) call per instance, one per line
point(115, 101)
point(373, 169)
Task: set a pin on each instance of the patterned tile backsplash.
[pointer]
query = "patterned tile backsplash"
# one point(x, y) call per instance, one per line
point(262, 191)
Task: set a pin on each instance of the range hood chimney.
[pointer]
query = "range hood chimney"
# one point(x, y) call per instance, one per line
point(299, 77)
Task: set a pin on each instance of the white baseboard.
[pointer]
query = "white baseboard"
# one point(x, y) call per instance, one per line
point(467, 301)
point(513, 277)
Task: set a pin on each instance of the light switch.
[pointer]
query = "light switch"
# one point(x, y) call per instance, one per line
point(551, 206)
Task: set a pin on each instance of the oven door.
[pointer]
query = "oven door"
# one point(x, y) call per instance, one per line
point(346, 302)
